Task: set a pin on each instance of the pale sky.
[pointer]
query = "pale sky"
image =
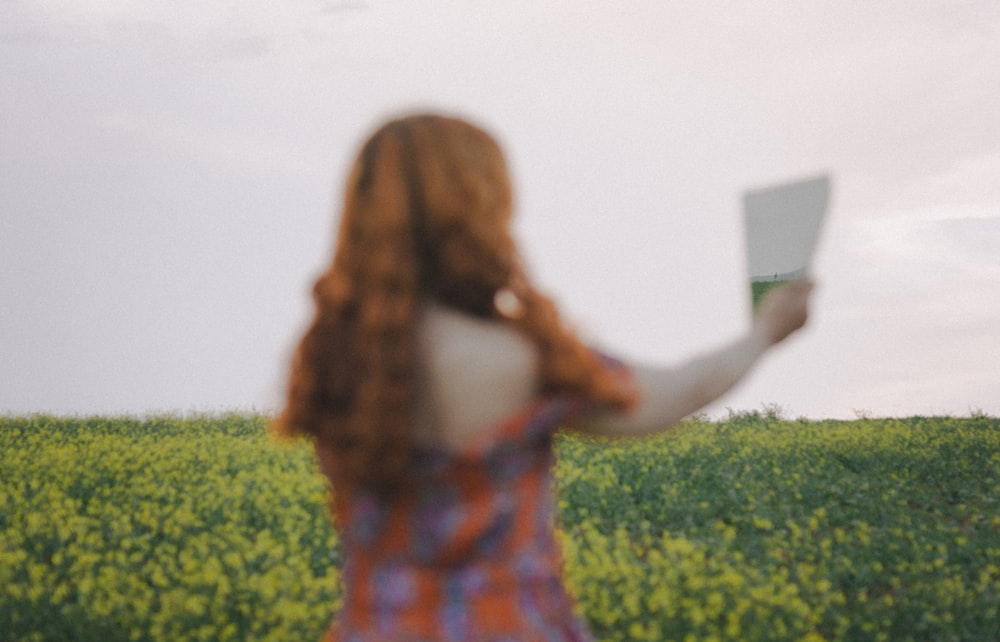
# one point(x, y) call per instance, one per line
point(170, 176)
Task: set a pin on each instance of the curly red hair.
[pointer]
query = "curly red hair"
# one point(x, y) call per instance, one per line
point(426, 216)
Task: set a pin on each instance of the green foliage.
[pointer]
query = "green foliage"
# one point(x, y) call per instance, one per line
point(759, 528)
point(157, 529)
point(754, 528)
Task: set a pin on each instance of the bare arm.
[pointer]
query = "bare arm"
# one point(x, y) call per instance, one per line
point(670, 394)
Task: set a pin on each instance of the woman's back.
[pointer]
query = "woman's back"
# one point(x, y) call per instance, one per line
point(466, 550)
point(472, 374)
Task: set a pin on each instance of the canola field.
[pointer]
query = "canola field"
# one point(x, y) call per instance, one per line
point(754, 528)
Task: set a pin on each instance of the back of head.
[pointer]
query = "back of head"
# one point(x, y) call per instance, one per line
point(426, 216)
point(437, 187)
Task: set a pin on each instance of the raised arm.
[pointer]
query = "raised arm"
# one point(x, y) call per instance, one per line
point(670, 394)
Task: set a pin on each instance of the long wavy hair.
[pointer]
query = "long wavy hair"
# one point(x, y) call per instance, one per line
point(426, 217)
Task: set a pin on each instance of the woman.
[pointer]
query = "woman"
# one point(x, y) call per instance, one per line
point(431, 382)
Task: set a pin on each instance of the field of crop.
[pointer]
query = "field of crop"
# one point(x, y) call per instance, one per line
point(754, 528)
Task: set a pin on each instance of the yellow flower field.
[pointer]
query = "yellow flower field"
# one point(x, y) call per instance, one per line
point(167, 529)
point(760, 529)
point(755, 528)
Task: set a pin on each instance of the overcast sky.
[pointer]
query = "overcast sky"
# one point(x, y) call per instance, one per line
point(170, 175)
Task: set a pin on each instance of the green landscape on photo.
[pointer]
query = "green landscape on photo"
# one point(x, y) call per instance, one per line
point(751, 528)
point(759, 288)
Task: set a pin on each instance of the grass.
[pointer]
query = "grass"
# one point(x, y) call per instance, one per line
point(753, 528)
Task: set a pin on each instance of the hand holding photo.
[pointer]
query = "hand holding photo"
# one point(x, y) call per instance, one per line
point(782, 227)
